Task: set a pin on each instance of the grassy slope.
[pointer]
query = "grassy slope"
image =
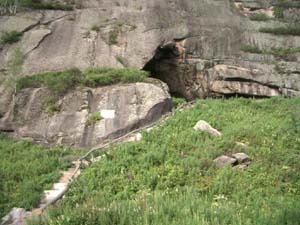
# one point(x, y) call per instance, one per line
point(25, 171)
point(169, 177)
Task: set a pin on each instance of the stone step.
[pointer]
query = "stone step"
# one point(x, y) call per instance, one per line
point(50, 195)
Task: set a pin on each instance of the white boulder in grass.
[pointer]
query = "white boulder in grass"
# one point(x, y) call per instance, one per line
point(206, 127)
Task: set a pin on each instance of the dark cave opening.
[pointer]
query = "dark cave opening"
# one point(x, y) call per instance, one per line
point(163, 53)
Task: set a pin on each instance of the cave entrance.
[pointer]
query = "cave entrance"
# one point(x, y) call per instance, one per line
point(165, 65)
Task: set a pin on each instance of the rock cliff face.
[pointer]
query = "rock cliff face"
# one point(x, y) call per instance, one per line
point(195, 46)
point(118, 109)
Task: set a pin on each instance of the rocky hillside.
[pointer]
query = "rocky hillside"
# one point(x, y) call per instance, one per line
point(199, 48)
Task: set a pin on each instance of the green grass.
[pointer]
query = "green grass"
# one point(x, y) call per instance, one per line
point(107, 76)
point(259, 17)
point(288, 4)
point(169, 176)
point(59, 83)
point(177, 101)
point(284, 30)
point(25, 171)
point(10, 37)
point(38, 4)
point(277, 52)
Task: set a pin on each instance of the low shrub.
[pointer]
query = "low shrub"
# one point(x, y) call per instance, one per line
point(94, 117)
point(251, 49)
point(284, 30)
point(59, 83)
point(176, 101)
point(37, 4)
point(259, 17)
point(278, 12)
point(277, 52)
point(106, 76)
point(113, 37)
point(10, 37)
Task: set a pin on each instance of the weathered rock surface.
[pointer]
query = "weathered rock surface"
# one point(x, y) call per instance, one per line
point(238, 160)
point(206, 127)
point(183, 42)
point(17, 216)
point(241, 157)
point(224, 160)
point(123, 108)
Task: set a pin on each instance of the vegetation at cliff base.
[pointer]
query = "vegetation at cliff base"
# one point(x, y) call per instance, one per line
point(283, 30)
point(277, 52)
point(10, 37)
point(169, 177)
point(11, 7)
point(39, 4)
point(25, 171)
point(259, 17)
point(59, 83)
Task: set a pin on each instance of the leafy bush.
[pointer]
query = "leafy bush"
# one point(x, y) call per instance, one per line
point(25, 171)
point(278, 12)
point(252, 49)
point(94, 117)
point(259, 17)
point(286, 30)
point(113, 37)
point(10, 37)
point(169, 176)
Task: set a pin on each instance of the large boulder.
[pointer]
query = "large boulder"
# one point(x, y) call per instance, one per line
point(119, 109)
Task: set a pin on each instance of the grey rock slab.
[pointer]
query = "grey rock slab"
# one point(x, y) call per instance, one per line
point(241, 157)
point(224, 160)
point(17, 216)
point(124, 108)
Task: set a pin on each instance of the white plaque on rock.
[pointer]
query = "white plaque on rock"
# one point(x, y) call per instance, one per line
point(108, 114)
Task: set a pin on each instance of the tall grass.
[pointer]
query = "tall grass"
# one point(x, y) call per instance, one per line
point(284, 30)
point(169, 177)
point(39, 4)
point(277, 52)
point(25, 171)
point(10, 37)
point(60, 82)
